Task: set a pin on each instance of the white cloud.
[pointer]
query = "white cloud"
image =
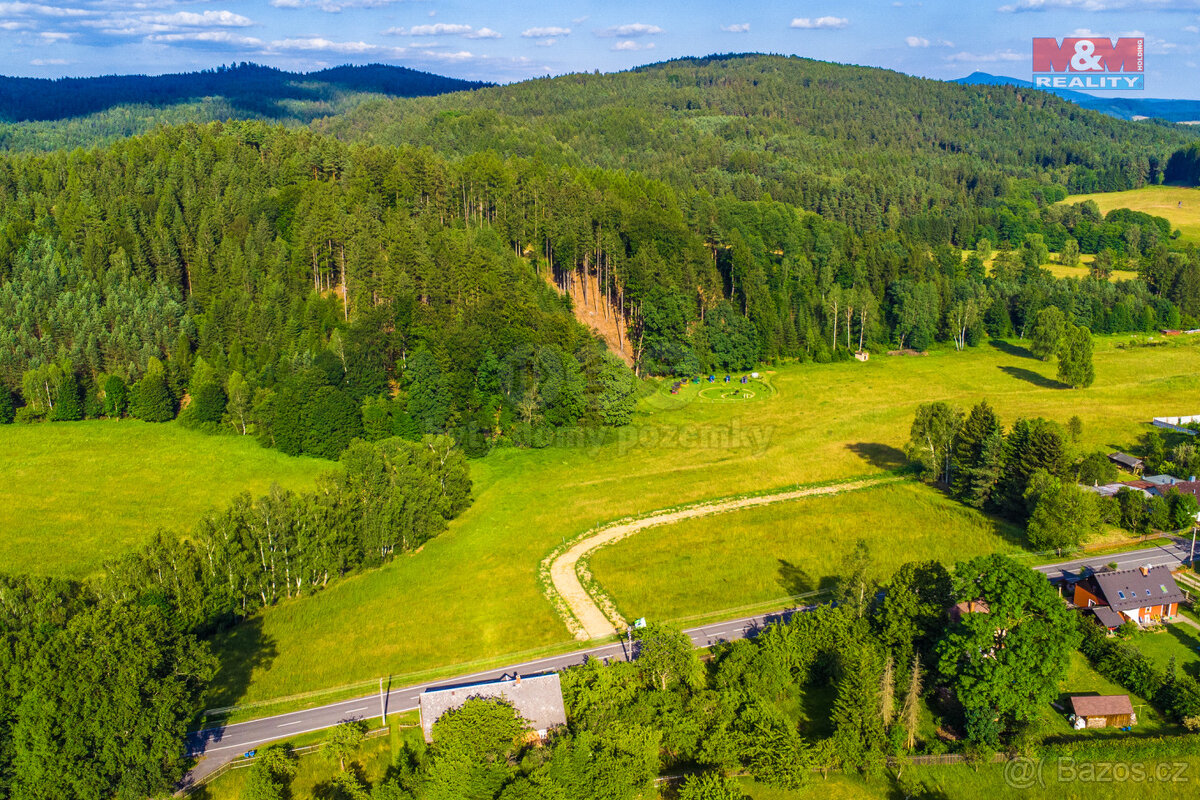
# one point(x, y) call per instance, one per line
point(55, 36)
point(40, 10)
point(546, 32)
point(741, 27)
point(13, 25)
point(820, 22)
point(320, 44)
point(48, 62)
point(920, 41)
point(630, 45)
point(633, 29)
point(206, 37)
point(1100, 5)
point(438, 29)
point(546, 42)
point(332, 6)
point(209, 19)
point(484, 33)
point(997, 55)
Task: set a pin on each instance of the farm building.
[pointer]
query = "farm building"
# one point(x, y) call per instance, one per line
point(1103, 711)
point(1127, 462)
point(537, 699)
point(1144, 595)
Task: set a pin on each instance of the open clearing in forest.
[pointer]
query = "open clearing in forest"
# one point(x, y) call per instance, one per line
point(474, 592)
point(79, 493)
point(1160, 201)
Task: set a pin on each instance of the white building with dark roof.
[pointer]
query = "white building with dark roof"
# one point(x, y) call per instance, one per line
point(537, 699)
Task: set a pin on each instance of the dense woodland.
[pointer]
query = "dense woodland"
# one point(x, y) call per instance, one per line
point(312, 277)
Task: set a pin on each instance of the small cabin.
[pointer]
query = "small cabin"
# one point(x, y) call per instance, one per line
point(1102, 711)
point(537, 699)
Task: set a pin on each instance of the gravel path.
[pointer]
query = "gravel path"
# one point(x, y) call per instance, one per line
point(594, 623)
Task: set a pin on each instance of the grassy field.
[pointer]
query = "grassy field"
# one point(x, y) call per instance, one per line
point(78, 493)
point(760, 554)
point(474, 591)
point(1179, 641)
point(1161, 201)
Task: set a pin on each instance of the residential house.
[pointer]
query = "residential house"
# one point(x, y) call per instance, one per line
point(536, 698)
point(1143, 595)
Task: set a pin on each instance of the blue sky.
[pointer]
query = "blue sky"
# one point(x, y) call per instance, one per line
point(507, 41)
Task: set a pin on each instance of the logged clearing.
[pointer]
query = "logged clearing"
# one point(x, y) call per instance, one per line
point(79, 493)
point(474, 592)
point(1179, 204)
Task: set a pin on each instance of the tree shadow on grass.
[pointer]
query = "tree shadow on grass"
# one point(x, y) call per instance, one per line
point(795, 580)
point(244, 648)
point(883, 456)
point(1012, 349)
point(1030, 376)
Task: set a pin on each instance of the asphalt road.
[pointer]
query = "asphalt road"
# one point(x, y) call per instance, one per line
point(217, 746)
point(1171, 555)
point(222, 744)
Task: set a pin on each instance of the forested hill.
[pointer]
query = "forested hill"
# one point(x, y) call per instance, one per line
point(250, 88)
point(864, 146)
point(41, 114)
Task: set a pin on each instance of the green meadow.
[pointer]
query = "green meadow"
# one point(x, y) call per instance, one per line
point(473, 592)
point(761, 554)
point(1179, 204)
point(79, 493)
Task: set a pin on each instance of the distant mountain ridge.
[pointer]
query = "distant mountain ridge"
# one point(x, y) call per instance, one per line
point(1120, 107)
point(251, 89)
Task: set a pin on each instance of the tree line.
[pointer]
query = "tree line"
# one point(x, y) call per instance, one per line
point(101, 677)
point(1033, 474)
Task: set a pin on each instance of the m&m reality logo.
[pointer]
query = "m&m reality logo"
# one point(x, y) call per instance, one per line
point(1089, 63)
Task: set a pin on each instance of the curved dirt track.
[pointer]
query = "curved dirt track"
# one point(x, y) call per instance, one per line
point(593, 622)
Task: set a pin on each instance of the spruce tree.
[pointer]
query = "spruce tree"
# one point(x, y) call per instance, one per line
point(151, 399)
point(68, 405)
point(911, 713)
point(975, 439)
point(7, 407)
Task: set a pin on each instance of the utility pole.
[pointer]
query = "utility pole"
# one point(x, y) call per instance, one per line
point(382, 705)
point(1192, 555)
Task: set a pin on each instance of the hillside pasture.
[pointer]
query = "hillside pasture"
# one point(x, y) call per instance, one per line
point(474, 591)
point(1179, 204)
point(79, 493)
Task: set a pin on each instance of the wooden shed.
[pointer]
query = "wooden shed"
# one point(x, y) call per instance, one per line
point(1103, 711)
